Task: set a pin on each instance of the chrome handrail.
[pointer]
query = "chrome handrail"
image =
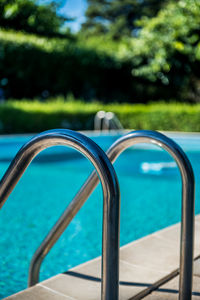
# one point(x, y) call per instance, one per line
point(106, 121)
point(98, 120)
point(110, 121)
point(187, 222)
point(111, 195)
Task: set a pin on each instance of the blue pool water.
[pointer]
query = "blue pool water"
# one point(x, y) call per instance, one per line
point(150, 192)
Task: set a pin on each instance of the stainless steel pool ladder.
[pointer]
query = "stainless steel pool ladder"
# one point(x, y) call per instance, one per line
point(106, 121)
point(111, 196)
point(187, 219)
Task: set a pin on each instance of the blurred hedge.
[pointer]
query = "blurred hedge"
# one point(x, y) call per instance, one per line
point(38, 67)
point(25, 116)
point(32, 66)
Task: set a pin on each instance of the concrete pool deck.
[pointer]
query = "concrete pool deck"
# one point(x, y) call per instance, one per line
point(148, 270)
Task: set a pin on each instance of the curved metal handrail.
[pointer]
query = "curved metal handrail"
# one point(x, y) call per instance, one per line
point(187, 223)
point(110, 121)
point(98, 119)
point(111, 196)
point(106, 121)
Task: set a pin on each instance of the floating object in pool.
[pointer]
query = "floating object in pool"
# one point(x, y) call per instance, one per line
point(157, 167)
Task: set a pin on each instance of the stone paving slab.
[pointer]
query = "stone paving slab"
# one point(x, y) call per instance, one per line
point(169, 291)
point(197, 268)
point(133, 280)
point(152, 252)
point(39, 293)
point(172, 235)
point(197, 218)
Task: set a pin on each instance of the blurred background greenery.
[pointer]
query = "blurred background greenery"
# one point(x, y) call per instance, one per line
point(126, 51)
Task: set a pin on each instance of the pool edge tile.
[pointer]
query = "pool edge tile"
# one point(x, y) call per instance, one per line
point(40, 293)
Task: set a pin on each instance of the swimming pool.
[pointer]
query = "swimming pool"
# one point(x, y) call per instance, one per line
point(151, 200)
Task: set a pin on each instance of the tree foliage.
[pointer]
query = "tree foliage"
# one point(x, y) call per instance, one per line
point(168, 48)
point(161, 37)
point(32, 17)
point(117, 17)
point(161, 62)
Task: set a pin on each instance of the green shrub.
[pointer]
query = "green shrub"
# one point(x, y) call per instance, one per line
point(34, 66)
point(97, 68)
point(26, 117)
